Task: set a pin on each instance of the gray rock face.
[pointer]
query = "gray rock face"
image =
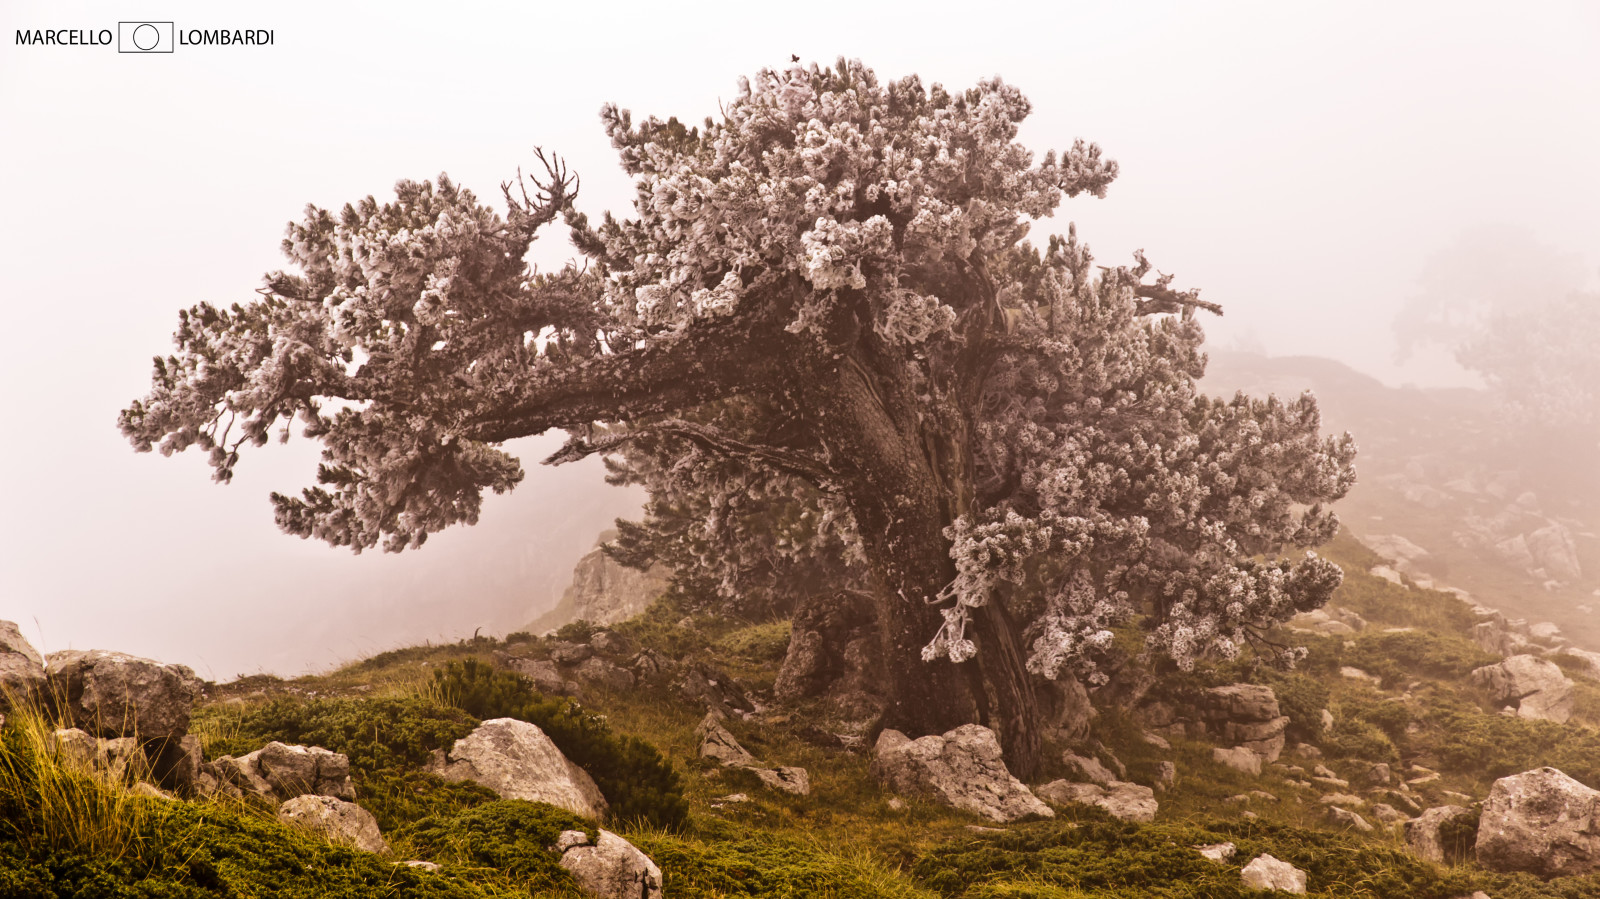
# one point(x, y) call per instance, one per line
point(338, 820)
point(1124, 801)
point(961, 768)
point(1554, 550)
point(1244, 716)
point(21, 666)
point(1422, 832)
point(280, 771)
point(604, 591)
point(1089, 769)
point(516, 760)
point(1537, 687)
point(604, 675)
point(1542, 822)
point(545, 675)
point(1267, 873)
point(112, 694)
point(610, 867)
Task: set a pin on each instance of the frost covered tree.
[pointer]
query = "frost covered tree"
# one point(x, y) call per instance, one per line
point(823, 302)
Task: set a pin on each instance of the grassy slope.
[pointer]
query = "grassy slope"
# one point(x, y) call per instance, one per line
point(846, 839)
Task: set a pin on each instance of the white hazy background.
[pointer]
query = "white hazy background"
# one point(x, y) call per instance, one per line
point(1298, 162)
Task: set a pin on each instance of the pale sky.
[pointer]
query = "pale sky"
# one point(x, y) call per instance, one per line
point(1298, 162)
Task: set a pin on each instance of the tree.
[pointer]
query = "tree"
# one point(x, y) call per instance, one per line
point(826, 294)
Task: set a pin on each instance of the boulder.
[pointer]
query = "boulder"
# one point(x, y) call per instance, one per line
point(1124, 801)
point(717, 744)
point(112, 694)
point(1591, 661)
point(1065, 711)
point(714, 690)
point(1542, 822)
point(1388, 815)
point(1554, 550)
point(75, 747)
point(1423, 831)
point(340, 821)
point(21, 666)
point(961, 769)
point(281, 771)
point(516, 760)
point(1267, 873)
point(1538, 688)
point(609, 867)
point(1245, 715)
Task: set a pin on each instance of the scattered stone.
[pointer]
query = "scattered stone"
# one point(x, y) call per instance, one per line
point(962, 769)
point(112, 694)
point(1123, 801)
point(1220, 853)
point(423, 865)
point(1542, 822)
point(1538, 687)
point(1457, 798)
point(730, 798)
point(789, 779)
point(1347, 818)
point(150, 791)
point(1325, 717)
point(1337, 783)
point(340, 821)
point(604, 675)
point(280, 771)
point(1388, 814)
point(610, 867)
point(1356, 674)
point(897, 804)
point(1379, 775)
point(544, 674)
point(1306, 751)
point(1156, 740)
point(516, 760)
point(1089, 769)
point(718, 744)
point(1590, 659)
point(21, 667)
point(1267, 873)
point(1341, 799)
point(716, 691)
point(1239, 759)
point(608, 642)
point(75, 746)
point(1422, 832)
point(1166, 775)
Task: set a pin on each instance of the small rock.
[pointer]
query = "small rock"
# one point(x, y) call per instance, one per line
point(564, 653)
point(516, 760)
point(1218, 852)
point(1341, 799)
point(1356, 674)
point(718, 744)
point(1166, 775)
point(1238, 759)
point(1124, 801)
point(1267, 873)
point(789, 779)
point(1388, 814)
point(1089, 769)
point(1347, 818)
point(424, 865)
point(341, 821)
point(1156, 740)
point(150, 791)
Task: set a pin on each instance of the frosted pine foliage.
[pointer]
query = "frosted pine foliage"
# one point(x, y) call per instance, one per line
point(832, 242)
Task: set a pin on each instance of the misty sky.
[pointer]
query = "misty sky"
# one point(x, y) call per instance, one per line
point(1298, 165)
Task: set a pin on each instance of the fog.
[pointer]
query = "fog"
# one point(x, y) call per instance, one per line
point(1315, 171)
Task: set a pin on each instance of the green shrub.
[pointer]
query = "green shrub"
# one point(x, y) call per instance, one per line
point(638, 782)
point(512, 836)
point(1354, 738)
point(1495, 746)
point(1302, 698)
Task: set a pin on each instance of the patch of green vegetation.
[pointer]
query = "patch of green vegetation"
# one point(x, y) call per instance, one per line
point(638, 782)
point(510, 837)
point(1114, 859)
point(771, 865)
point(1489, 747)
point(1402, 655)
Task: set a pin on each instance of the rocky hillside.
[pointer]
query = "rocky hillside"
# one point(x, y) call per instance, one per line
point(602, 591)
point(1453, 493)
point(1425, 748)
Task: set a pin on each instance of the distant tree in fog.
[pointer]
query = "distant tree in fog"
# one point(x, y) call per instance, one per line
point(1512, 310)
point(823, 319)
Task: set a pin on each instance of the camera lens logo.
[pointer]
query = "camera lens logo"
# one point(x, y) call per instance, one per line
point(145, 37)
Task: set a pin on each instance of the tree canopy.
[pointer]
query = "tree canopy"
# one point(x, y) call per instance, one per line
point(823, 315)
